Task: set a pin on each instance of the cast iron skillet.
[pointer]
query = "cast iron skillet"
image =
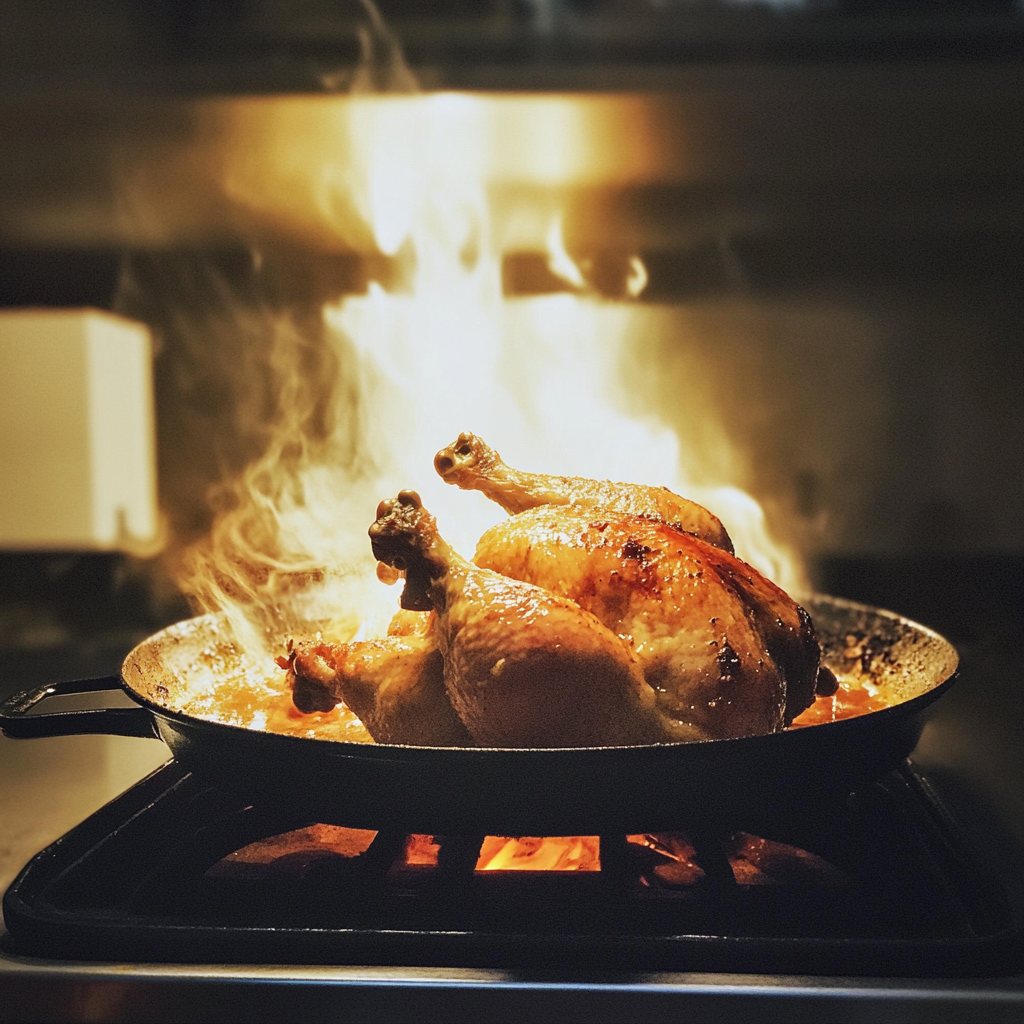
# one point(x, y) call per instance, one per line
point(578, 791)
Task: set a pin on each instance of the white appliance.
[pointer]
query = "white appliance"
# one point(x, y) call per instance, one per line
point(77, 439)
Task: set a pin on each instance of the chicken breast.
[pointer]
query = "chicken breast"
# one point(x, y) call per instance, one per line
point(727, 652)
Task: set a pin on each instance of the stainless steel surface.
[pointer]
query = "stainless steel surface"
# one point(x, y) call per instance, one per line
point(40, 991)
point(265, 45)
point(49, 786)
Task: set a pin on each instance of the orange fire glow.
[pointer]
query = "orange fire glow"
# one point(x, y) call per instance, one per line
point(551, 381)
point(666, 860)
point(535, 853)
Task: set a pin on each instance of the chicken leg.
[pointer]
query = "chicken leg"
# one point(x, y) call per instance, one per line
point(523, 667)
point(470, 464)
point(394, 684)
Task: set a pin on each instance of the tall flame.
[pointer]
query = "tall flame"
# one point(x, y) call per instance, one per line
point(550, 381)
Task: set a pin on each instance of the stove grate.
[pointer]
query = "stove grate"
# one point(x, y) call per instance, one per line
point(177, 871)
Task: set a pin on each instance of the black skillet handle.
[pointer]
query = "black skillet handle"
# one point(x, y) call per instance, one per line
point(17, 723)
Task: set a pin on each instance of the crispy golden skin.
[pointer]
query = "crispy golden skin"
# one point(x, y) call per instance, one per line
point(579, 625)
point(728, 653)
point(470, 464)
point(625, 614)
point(395, 684)
point(523, 667)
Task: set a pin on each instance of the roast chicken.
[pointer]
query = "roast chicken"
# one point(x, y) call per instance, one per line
point(470, 464)
point(596, 614)
point(575, 627)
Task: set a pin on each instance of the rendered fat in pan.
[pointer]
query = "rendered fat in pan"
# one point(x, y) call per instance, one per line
point(563, 791)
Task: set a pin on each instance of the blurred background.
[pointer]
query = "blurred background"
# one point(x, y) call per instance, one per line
point(827, 198)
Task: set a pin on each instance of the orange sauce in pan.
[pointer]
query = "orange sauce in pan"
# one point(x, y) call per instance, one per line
point(339, 724)
point(239, 694)
point(269, 707)
point(849, 701)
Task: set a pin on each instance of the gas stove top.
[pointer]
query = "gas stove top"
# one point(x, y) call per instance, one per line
point(176, 870)
point(178, 902)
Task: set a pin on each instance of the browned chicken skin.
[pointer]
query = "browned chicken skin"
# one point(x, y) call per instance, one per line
point(394, 684)
point(470, 464)
point(524, 667)
point(728, 652)
point(596, 615)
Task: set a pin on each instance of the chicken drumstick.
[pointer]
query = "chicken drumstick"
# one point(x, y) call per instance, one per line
point(522, 666)
point(470, 464)
point(395, 684)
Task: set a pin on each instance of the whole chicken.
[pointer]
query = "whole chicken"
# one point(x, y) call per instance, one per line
point(395, 684)
point(523, 667)
point(470, 464)
point(712, 649)
point(727, 652)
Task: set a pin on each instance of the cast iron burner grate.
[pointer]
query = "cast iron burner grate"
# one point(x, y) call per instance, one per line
point(150, 877)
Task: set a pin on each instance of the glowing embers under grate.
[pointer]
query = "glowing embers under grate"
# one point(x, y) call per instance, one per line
point(667, 860)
